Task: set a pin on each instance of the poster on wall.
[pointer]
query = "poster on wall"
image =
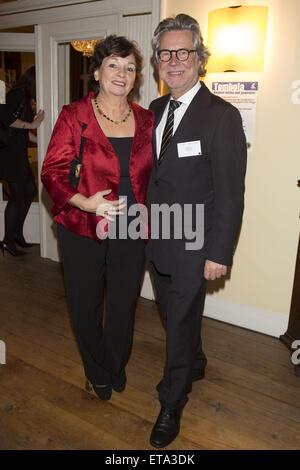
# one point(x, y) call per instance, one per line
point(242, 95)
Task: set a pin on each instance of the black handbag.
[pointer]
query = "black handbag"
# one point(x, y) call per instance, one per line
point(76, 164)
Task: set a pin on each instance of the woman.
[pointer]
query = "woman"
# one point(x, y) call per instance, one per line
point(117, 161)
point(14, 164)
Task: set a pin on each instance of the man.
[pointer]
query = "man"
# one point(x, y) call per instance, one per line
point(199, 161)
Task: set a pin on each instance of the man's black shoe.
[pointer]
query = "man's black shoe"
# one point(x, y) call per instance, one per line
point(166, 427)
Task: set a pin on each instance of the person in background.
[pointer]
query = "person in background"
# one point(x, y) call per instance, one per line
point(116, 161)
point(200, 160)
point(18, 114)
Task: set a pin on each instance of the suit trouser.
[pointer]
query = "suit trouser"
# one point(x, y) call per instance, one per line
point(181, 300)
point(104, 349)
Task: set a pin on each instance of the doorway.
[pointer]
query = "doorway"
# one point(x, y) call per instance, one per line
point(73, 72)
point(17, 54)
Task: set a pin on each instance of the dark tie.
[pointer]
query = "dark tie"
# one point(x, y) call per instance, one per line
point(168, 130)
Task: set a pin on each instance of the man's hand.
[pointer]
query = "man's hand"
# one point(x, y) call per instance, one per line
point(214, 270)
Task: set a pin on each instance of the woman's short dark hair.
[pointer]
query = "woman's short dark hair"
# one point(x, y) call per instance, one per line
point(117, 46)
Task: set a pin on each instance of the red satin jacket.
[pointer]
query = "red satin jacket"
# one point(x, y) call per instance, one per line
point(100, 164)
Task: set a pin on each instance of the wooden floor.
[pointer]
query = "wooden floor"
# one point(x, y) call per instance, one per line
point(250, 398)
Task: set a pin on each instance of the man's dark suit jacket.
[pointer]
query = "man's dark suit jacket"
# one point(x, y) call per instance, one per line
point(215, 179)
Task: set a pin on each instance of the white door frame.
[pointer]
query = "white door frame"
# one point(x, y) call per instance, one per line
point(18, 42)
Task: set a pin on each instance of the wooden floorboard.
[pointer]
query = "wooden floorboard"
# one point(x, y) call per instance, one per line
point(249, 399)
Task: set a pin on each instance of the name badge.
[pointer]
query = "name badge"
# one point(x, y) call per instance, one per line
point(189, 149)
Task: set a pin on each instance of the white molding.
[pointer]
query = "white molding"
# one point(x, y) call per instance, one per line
point(139, 28)
point(63, 57)
point(20, 42)
point(25, 5)
point(78, 11)
point(40, 84)
point(244, 316)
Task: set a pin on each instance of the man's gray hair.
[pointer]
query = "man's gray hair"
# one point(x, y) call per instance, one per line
point(180, 23)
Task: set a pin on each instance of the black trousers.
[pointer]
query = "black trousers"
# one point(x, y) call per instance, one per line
point(181, 300)
point(21, 195)
point(104, 341)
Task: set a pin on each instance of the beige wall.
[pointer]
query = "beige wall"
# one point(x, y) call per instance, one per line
point(263, 271)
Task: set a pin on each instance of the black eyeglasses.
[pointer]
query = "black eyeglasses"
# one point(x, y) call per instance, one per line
point(164, 55)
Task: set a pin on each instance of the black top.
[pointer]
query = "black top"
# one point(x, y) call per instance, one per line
point(6, 117)
point(14, 165)
point(122, 147)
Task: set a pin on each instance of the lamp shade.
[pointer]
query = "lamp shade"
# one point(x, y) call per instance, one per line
point(237, 39)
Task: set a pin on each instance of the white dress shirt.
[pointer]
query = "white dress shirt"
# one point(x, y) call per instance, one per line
point(178, 114)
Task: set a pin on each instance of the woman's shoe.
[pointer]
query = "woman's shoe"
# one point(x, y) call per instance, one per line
point(119, 383)
point(11, 249)
point(23, 243)
point(102, 391)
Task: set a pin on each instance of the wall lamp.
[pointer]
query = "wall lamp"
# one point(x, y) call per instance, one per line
point(237, 39)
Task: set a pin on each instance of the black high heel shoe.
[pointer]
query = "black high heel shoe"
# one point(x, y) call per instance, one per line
point(102, 391)
point(11, 249)
point(23, 243)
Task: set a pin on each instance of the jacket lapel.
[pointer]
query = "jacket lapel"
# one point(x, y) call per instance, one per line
point(194, 113)
point(85, 114)
point(158, 110)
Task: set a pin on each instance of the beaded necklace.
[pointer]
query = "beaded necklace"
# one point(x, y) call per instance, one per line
point(107, 117)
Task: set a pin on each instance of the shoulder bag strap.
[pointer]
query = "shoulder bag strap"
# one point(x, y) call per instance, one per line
point(81, 143)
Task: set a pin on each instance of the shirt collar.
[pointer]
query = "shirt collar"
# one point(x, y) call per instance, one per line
point(189, 95)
